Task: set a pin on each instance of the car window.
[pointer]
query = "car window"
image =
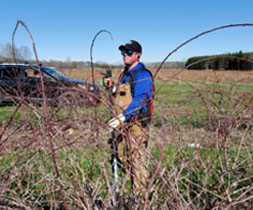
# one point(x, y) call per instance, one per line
point(48, 76)
point(10, 72)
point(32, 73)
point(52, 73)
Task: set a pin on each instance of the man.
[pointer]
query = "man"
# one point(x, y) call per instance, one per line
point(134, 106)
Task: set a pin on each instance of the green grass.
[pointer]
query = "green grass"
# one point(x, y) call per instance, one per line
point(191, 98)
point(35, 172)
point(175, 93)
point(214, 169)
point(74, 161)
point(192, 103)
point(6, 113)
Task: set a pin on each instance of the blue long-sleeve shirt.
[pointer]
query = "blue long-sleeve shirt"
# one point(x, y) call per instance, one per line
point(142, 85)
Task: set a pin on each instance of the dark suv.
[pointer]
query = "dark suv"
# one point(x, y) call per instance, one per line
point(22, 83)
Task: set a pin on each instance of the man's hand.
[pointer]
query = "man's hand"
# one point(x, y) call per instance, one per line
point(116, 121)
point(109, 83)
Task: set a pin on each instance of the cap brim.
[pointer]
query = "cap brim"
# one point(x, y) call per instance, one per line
point(123, 47)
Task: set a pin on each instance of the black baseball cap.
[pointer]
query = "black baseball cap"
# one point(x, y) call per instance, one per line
point(132, 45)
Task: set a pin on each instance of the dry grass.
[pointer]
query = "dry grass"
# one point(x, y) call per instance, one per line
point(208, 75)
point(179, 75)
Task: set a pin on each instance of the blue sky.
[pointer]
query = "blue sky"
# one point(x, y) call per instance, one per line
point(64, 29)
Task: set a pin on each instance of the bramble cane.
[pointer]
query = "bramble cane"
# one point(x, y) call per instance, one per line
point(109, 86)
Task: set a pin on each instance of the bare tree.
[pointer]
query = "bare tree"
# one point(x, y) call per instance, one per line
point(21, 53)
point(25, 53)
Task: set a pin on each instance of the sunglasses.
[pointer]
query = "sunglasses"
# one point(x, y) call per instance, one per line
point(128, 52)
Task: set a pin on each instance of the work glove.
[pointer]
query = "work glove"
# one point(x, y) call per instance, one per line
point(116, 121)
point(114, 90)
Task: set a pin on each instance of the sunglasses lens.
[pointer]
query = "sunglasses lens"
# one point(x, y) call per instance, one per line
point(123, 52)
point(128, 52)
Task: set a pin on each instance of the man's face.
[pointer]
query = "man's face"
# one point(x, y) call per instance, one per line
point(130, 59)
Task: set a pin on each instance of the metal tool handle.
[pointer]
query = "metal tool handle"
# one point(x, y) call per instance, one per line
point(109, 86)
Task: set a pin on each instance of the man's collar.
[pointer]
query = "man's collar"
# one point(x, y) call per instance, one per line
point(138, 65)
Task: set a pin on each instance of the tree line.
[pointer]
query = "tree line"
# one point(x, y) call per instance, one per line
point(24, 55)
point(231, 61)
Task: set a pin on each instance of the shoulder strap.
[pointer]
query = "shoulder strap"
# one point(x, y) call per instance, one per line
point(146, 116)
point(131, 80)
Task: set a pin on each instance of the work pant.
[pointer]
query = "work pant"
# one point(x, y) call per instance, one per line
point(131, 153)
